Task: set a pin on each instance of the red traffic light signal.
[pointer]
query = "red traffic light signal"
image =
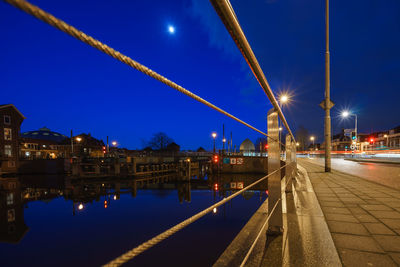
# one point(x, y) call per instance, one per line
point(371, 140)
point(216, 158)
point(104, 149)
point(266, 146)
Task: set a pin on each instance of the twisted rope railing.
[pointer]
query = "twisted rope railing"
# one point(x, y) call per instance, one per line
point(157, 239)
point(74, 32)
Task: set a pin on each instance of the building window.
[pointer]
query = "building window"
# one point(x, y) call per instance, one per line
point(11, 215)
point(10, 198)
point(7, 150)
point(7, 134)
point(7, 119)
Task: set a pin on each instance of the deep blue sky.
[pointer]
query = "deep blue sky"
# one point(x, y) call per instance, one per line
point(59, 82)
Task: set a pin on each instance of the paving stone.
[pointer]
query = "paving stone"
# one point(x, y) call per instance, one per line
point(336, 204)
point(335, 210)
point(392, 223)
point(361, 258)
point(385, 214)
point(395, 257)
point(376, 207)
point(357, 210)
point(347, 228)
point(352, 200)
point(365, 218)
point(340, 217)
point(361, 243)
point(388, 242)
point(378, 229)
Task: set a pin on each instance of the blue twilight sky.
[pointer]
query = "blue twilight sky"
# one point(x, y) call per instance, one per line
point(59, 82)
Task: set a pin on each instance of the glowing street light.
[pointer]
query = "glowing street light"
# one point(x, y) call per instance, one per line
point(78, 139)
point(297, 144)
point(80, 207)
point(312, 138)
point(283, 99)
point(114, 143)
point(214, 135)
point(346, 114)
point(280, 129)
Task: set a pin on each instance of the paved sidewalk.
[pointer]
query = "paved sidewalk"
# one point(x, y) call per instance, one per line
point(363, 217)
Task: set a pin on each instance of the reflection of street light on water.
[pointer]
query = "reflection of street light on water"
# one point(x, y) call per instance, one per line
point(80, 207)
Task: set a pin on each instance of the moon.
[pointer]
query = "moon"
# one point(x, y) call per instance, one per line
point(171, 29)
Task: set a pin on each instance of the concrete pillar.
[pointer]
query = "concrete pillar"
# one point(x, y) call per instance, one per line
point(275, 226)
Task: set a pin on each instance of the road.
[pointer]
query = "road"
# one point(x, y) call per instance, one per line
point(385, 174)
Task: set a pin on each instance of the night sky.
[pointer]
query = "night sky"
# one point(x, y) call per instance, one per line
point(59, 82)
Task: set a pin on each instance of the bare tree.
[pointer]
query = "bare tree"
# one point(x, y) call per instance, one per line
point(159, 141)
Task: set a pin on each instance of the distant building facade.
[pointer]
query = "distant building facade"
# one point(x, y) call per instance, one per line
point(10, 123)
point(247, 148)
point(43, 144)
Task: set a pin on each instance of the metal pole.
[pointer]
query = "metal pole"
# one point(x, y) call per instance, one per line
point(355, 129)
point(327, 127)
point(214, 145)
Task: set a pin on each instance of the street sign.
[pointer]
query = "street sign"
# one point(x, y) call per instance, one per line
point(347, 132)
point(239, 161)
point(352, 147)
point(322, 104)
point(233, 160)
point(233, 185)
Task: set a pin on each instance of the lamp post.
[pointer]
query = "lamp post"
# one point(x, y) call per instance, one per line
point(283, 99)
point(114, 143)
point(312, 138)
point(214, 135)
point(387, 140)
point(346, 114)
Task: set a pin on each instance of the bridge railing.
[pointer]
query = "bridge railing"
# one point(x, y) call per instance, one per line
point(276, 186)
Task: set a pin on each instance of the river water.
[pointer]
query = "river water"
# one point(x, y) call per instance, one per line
point(58, 221)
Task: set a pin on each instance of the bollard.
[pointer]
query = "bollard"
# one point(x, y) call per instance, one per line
point(289, 166)
point(275, 225)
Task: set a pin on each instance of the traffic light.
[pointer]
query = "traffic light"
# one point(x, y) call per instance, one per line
point(266, 147)
point(353, 135)
point(371, 140)
point(216, 159)
point(104, 150)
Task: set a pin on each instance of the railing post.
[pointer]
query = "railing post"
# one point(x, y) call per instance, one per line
point(275, 226)
point(289, 166)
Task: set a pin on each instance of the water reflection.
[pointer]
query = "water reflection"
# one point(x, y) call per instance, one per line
point(17, 192)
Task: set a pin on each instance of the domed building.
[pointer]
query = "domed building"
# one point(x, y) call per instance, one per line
point(247, 148)
point(42, 144)
point(44, 134)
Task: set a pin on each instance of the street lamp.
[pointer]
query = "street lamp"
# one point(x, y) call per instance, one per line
point(387, 140)
point(346, 114)
point(78, 139)
point(114, 143)
point(312, 138)
point(214, 135)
